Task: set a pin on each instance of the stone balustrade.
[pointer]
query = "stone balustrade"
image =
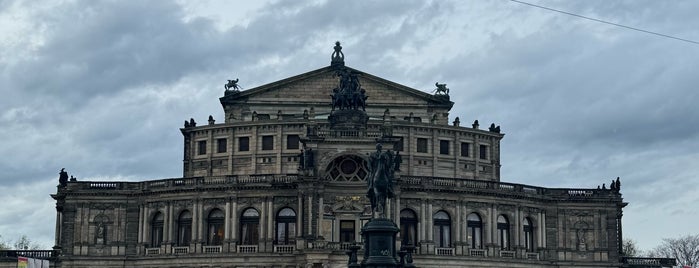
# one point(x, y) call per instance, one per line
point(424, 182)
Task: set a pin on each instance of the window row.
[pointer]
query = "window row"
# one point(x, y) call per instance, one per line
point(445, 145)
point(441, 230)
point(292, 142)
point(249, 228)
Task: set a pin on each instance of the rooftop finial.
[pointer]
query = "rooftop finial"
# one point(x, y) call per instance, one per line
point(338, 58)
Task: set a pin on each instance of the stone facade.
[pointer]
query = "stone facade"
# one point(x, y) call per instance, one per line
point(277, 184)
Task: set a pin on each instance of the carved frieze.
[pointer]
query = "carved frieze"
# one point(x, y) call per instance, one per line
point(214, 201)
point(285, 200)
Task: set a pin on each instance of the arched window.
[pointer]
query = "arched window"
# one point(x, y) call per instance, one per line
point(475, 230)
point(249, 227)
point(442, 229)
point(503, 232)
point(286, 226)
point(184, 228)
point(216, 222)
point(408, 226)
point(156, 230)
point(528, 234)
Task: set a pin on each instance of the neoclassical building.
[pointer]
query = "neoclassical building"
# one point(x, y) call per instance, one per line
point(280, 182)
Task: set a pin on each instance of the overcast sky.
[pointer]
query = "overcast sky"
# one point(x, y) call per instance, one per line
point(101, 87)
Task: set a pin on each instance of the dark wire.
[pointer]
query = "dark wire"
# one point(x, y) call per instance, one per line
point(606, 22)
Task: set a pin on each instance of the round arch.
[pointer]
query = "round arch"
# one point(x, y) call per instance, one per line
point(347, 168)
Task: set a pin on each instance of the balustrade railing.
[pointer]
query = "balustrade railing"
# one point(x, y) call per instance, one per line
point(474, 252)
point(650, 262)
point(426, 181)
point(36, 254)
point(152, 251)
point(247, 248)
point(444, 251)
point(211, 249)
point(507, 254)
point(288, 249)
point(180, 250)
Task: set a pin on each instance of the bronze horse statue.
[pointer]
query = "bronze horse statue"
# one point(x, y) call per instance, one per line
point(382, 167)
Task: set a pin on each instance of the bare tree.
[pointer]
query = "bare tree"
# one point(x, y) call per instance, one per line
point(3, 244)
point(25, 243)
point(685, 249)
point(629, 248)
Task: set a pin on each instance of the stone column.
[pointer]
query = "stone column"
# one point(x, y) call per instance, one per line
point(543, 229)
point(457, 231)
point(234, 222)
point(195, 224)
point(227, 225)
point(299, 216)
point(141, 212)
point(518, 230)
point(146, 219)
point(539, 230)
point(166, 224)
point(263, 225)
point(319, 227)
point(270, 223)
point(430, 213)
point(309, 213)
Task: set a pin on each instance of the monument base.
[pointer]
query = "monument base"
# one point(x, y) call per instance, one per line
point(380, 243)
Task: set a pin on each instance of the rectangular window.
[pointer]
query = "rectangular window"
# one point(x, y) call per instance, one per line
point(484, 152)
point(292, 142)
point(347, 231)
point(201, 146)
point(465, 148)
point(421, 145)
point(221, 145)
point(244, 144)
point(267, 142)
point(443, 147)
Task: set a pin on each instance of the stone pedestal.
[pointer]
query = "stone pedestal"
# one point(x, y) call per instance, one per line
point(380, 243)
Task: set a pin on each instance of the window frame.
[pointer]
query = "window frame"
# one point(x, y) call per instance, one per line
point(467, 151)
point(290, 140)
point(444, 147)
point(348, 235)
point(221, 145)
point(245, 148)
point(156, 229)
point(215, 226)
point(408, 226)
point(442, 230)
point(503, 227)
point(422, 145)
point(474, 229)
point(184, 229)
point(483, 152)
point(201, 147)
point(267, 143)
point(288, 223)
point(250, 227)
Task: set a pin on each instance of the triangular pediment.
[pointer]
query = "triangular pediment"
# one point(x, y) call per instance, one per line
point(314, 88)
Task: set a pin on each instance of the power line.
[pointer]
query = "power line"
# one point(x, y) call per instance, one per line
point(606, 22)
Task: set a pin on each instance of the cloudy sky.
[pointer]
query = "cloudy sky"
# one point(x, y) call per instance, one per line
point(101, 88)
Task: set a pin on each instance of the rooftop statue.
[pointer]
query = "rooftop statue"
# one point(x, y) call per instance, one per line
point(337, 58)
point(382, 167)
point(349, 94)
point(441, 89)
point(232, 84)
point(63, 177)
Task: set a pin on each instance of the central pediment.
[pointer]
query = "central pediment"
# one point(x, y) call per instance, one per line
point(313, 89)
